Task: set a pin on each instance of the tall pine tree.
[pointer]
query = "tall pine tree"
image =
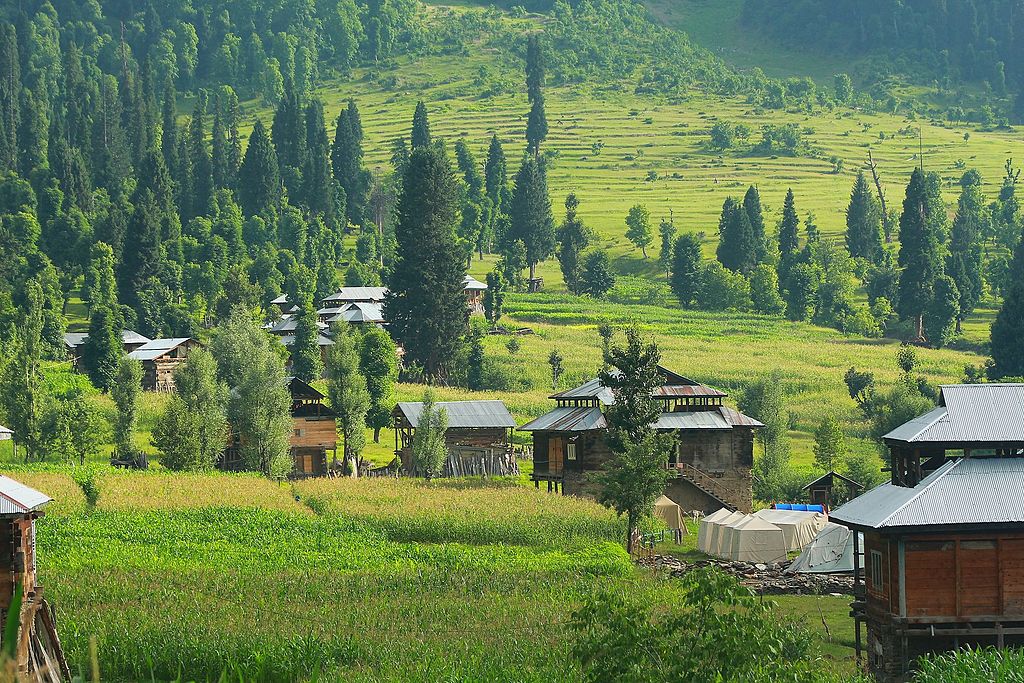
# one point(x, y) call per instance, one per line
point(920, 258)
point(864, 222)
point(686, 269)
point(573, 238)
point(789, 228)
point(259, 179)
point(752, 207)
point(425, 305)
point(347, 161)
point(963, 263)
point(530, 213)
point(1008, 327)
point(420, 136)
point(737, 249)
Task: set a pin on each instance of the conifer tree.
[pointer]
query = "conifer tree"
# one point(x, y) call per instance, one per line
point(963, 263)
point(494, 297)
point(306, 361)
point(24, 396)
point(288, 133)
point(686, 268)
point(347, 162)
point(534, 67)
point(425, 304)
point(169, 129)
point(536, 126)
point(864, 222)
point(573, 238)
point(596, 276)
point(420, 136)
point(141, 259)
point(667, 230)
point(752, 207)
point(200, 186)
point(920, 257)
point(259, 180)
point(530, 214)
point(941, 315)
point(1008, 327)
point(321, 194)
point(737, 249)
point(789, 229)
point(496, 175)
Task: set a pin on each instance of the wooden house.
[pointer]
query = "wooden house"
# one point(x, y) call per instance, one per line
point(710, 461)
point(38, 652)
point(354, 295)
point(160, 358)
point(478, 438)
point(474, 290)
point(832, 488)
point(73, 341)
point(314, 436)
point(943, 550)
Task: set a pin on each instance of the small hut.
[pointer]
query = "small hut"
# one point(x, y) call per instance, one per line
point(314, 437)
point(822, 491)
point(160, 358)
point(38, 652)
point(478, 438)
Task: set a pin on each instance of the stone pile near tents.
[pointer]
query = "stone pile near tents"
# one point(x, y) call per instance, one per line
point(766, 579)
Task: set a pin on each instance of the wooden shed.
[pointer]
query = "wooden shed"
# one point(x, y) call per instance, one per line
point(478, 438)
point(831, 488)
point(710, 461)
point(73, 341)
point(314, 439)
point(160, 358)
point(38, 652)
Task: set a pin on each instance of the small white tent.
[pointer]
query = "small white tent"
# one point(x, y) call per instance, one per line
point(755, 540)
point(798, 527)
point(718, 533)
point(831, 551)
point(726, 534)
point(704, 531)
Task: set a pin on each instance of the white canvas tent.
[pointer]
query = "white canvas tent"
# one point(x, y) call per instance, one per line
point(718, 533)
point(706, 524)
point(668, 511)
point(798, 527)
point(754, 540)
point(831, 551)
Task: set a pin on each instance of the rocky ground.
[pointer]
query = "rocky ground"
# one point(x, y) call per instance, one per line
point(765, 579)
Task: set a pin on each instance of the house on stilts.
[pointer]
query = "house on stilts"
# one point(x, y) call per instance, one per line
point(942, 562)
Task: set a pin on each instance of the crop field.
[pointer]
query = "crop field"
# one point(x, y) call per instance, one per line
point(346, 580)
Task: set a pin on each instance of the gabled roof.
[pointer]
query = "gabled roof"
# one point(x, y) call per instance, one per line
point(281, 299)
point(673, 385)
point(462, 414)
point(17, 499)
point(961, 492)
point(968, 414)
point(289, 323)
point(75, 339)
point(133, 337)
point(568, 419)
point(472, 284)
point(289, 339)
point(156, 348)
point(348, 294)
point(832, 474)
point(301, 389)
point(589, 389)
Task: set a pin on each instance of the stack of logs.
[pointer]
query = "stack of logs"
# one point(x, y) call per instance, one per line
point(764, 579)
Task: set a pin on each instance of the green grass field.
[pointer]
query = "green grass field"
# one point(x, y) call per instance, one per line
point(353, 580)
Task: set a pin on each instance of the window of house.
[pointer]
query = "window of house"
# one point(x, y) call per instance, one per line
point(570, 451)
point(877, 577)
point(299, 432)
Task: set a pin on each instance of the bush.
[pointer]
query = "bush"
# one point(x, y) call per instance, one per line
point(971, 665)
point(721, 289)
point(632, 290)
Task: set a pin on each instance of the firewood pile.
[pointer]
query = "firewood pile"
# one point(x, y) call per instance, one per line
point(764, 579)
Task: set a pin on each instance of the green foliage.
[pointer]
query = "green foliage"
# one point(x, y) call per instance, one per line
point(719, 627)
point(638, 227)
point(596, 276)
point(864, 222)
point(764, 290)
point(556, 361)
point(667, 231)
point(1008, 327)
point(963, 263)
point(737, 246)
point(428, 445)
point(347, 391)
point(475, 362)
point(726, 135)
point(494, 297)
point(829, 443)
point(23, 398)
point(530, 214)
point(971, 664)
point(686, 269)
point(920, 247)
point(941, 316)
point(125, 391)
point(193, 429)
point(721, 289)
point(573, 238)
point(378, 361)
point(73, 427)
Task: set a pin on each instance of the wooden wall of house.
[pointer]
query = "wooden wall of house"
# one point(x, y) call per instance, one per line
point(17, 556)
point(883, 597)
point(309, 462)
point(158, 374)
point(317, 432)
point(486, 436)
point(550, 451)
point(974, 575)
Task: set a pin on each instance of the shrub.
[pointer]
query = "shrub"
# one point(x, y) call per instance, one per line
point(632, 290)
point(721, 289)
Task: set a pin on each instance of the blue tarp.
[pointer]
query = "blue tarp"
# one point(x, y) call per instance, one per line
point(800, 507)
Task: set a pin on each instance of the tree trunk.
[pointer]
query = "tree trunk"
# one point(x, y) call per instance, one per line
point(643, 250)
point(376, 434)
point(919, 326)
point(533, 271)
point(959, 324)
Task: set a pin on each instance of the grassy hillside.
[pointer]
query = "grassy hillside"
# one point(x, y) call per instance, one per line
point(329, 580)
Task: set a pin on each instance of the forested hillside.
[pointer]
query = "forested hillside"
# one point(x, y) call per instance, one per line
point(980, 41)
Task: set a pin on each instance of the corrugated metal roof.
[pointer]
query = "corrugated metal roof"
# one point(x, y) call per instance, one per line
point(17, 499)
point(289, 339)
point(289, 324)
point(568, 419)
point(687, 390)
point(348, 294)
point(155, 348)
point(699, 419)
point(470, 283)
point(969, 414)
point(738, 419)
point(76, 339)
point(965, 491)
point(282, 299)
point(133, 337)
point(462, 414)
point(589, 389)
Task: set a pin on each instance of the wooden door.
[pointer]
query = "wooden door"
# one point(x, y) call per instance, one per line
point(555, 455)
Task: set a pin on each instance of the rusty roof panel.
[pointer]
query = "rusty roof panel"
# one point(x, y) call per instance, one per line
point(687, 390)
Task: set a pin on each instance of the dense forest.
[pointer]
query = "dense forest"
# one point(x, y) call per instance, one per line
point(949, 41)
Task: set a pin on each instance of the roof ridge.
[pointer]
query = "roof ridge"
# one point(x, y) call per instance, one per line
point(940, 474)
point(931, 424)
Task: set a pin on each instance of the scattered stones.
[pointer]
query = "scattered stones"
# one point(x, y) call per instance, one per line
point(764, 579)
